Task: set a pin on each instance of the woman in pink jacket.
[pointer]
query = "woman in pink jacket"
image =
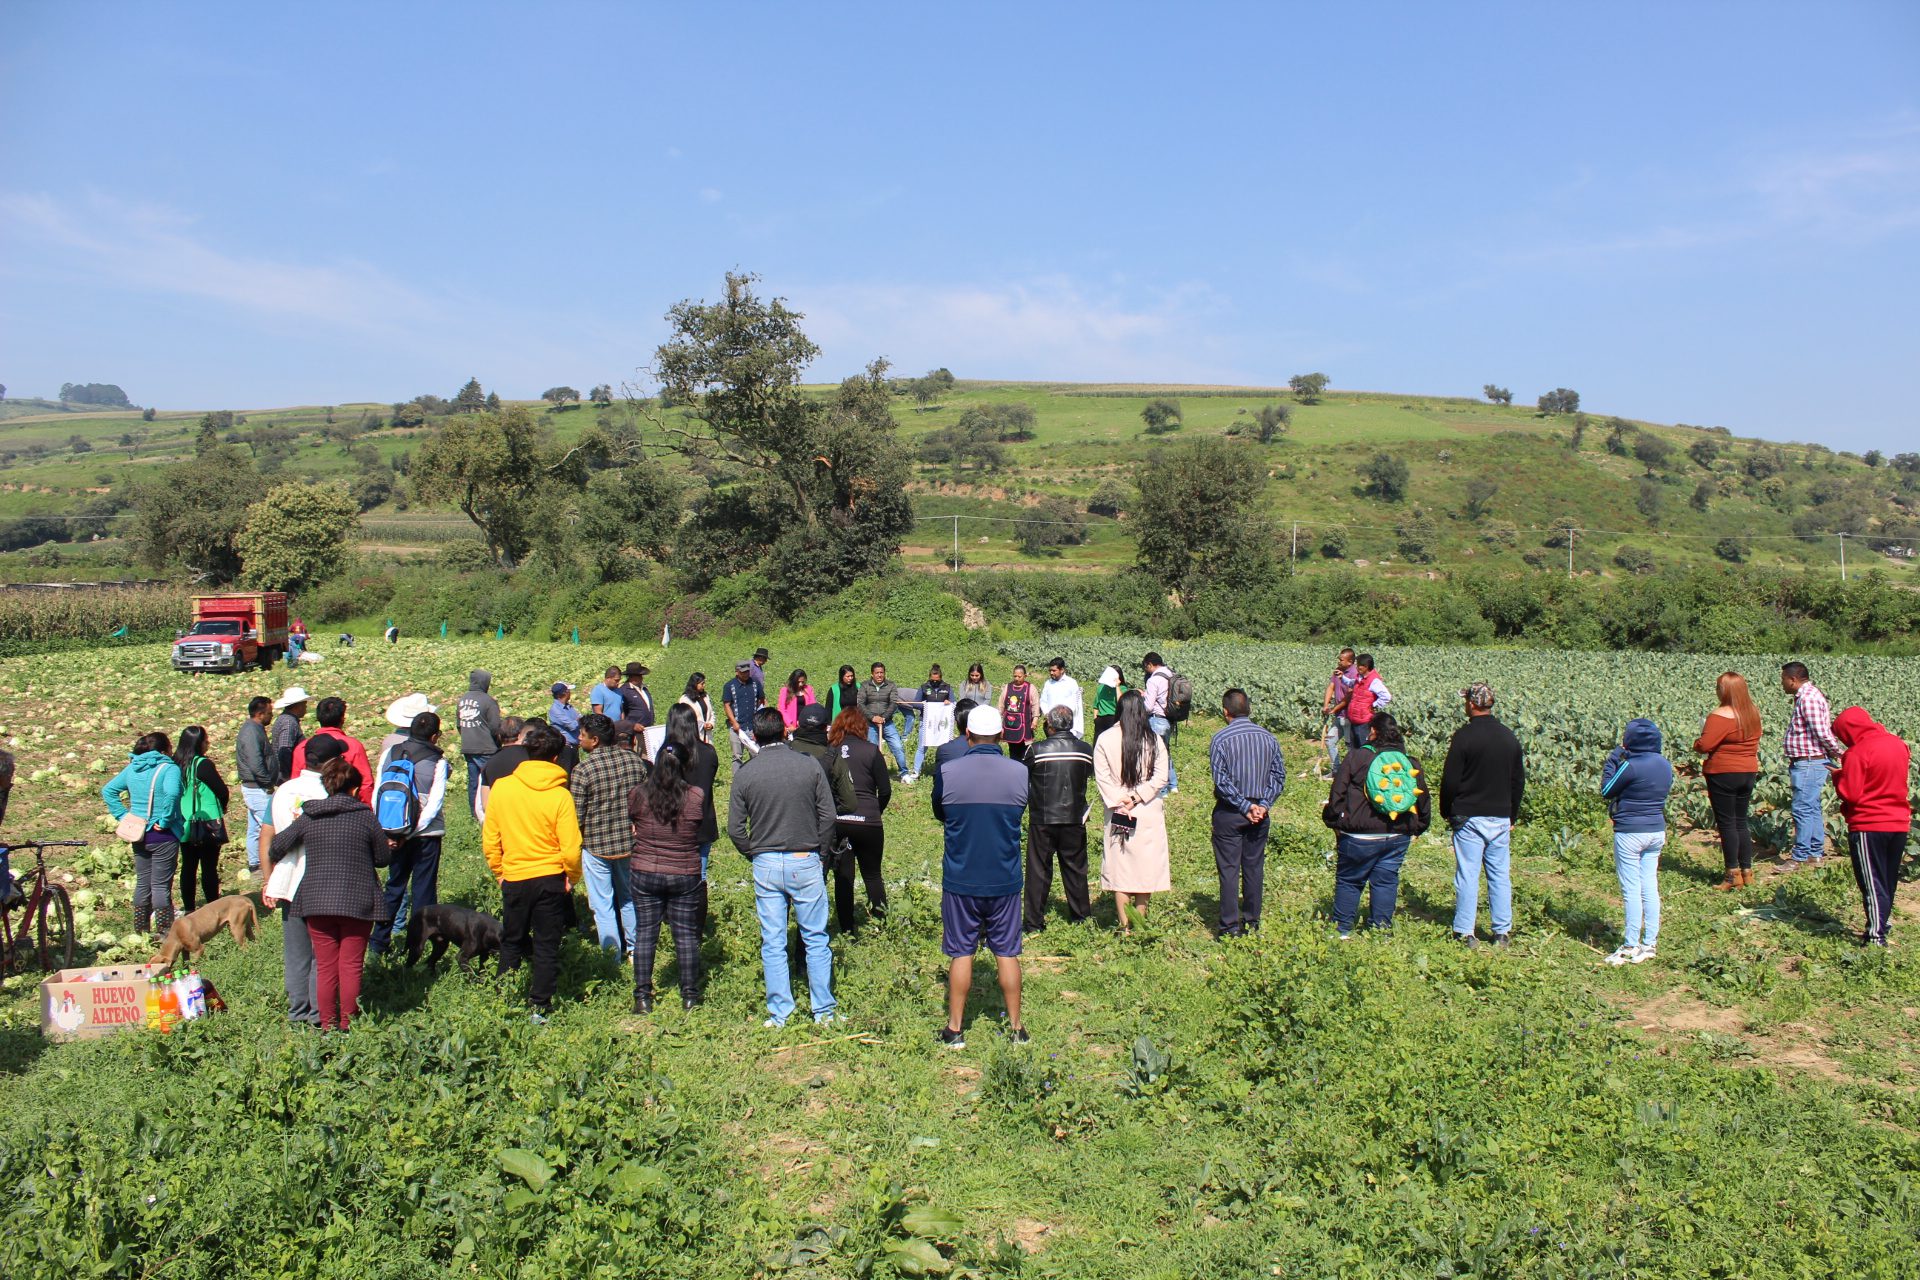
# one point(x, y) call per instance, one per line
point(796, 693)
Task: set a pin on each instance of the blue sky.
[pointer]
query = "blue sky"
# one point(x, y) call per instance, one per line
point(1701, 213)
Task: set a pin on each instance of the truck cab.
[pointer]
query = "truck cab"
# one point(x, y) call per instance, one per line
point(233, 632)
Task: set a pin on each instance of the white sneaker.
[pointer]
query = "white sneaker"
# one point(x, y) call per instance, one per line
point(772, 1024)
point(1642, 954)
point(1625, 955)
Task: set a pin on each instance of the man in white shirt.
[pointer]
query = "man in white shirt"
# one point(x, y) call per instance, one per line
point(1062, 690)
point(282, 879)
point(416, 860)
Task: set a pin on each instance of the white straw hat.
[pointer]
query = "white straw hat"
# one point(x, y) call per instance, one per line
point(291, 696)
point(400, 715)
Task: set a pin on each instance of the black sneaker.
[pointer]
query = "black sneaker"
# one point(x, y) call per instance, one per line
point(643, 1002)
point(1467, 939)
point(1502, 940)
point(953, 1039)
point(691, 1002)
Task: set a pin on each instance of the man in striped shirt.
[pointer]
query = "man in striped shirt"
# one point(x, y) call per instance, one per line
point(1812, 752)
point(1248, 776)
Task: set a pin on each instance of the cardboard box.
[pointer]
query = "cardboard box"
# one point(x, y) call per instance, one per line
point(79, 1004)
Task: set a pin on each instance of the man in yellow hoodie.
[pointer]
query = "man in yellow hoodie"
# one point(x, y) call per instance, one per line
point(532, 842)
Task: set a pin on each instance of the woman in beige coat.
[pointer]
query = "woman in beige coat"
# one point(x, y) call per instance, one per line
point(1130, 768)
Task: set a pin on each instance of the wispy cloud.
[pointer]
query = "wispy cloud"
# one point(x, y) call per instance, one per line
point(146, 247)
point(1046, 327)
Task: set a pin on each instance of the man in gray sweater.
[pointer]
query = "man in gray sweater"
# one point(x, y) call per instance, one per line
point(879, 700)
point(478, 717)
point(780, 815)
point(255, 766)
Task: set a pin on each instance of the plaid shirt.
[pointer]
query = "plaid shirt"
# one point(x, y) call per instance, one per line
point(601, 783)
point(1810, 731)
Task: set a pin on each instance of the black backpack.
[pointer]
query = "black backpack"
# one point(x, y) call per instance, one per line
point(1179, 695)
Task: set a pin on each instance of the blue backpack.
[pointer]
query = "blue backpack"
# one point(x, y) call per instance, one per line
point(396, 801)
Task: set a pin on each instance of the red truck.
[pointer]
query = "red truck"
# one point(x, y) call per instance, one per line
point(233, 632)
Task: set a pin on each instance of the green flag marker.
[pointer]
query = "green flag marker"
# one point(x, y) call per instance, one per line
point(121, 634)
point(576, 635)
point(443, 629)
point(500, 631)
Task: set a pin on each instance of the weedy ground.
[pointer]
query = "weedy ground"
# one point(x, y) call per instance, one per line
point(1281, 1105)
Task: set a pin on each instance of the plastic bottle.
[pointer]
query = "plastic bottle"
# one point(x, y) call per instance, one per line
point(153, 1001)
point(193, 1001)
point(169, 1008)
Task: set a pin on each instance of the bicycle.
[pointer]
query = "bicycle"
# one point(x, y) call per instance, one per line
point(45, 914)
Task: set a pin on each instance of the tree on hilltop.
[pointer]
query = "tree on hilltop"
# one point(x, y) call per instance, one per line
point(1704, 452)
point(1161, 416)
point(1652, 451)
point(1498, 395)
point(602, 396)
point(1272, 422)
point(471, 398)
point(1560, 400)
point(560, 397)
point(1308, 386)
point(930, 386)
point(493, 402)
point(104, 394)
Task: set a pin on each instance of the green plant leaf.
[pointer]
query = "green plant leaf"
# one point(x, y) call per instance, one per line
point(917, 1258)
point(930, 1223)
point(527, 1166)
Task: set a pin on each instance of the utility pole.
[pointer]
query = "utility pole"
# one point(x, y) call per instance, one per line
point(956, 544)
point(1569, 551)
point(1293, 552)
point(1843, 557)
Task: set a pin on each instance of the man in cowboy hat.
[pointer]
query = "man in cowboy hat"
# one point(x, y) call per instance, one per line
point(286, 733)
point(638, 702)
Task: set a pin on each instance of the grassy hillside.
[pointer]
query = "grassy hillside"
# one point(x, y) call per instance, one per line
point(1088, 434)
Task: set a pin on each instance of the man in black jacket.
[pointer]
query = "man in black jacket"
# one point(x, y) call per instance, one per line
point(1061, 765)
point(810, 739)
point(1481, 786)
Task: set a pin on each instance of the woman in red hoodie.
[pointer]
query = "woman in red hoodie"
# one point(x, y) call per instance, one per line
point(1872, 785)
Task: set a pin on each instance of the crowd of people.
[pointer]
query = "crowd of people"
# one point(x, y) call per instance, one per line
point(622, 799)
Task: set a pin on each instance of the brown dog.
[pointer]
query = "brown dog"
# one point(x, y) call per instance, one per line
point(191, 933)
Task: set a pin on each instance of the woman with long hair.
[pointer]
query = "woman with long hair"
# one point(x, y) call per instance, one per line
point(665, 866)
point(976, 686)
point(793, 695)
point(1730, 741)
point(845, 693)
point(701, 764)
point(872, 792)
point(203, 807)
point(339, 899)
point(696, 697)
point(1130, 768)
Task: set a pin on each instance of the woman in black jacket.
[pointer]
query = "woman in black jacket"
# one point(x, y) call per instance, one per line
point(1375, 829)
point(199, 780)
point(872, 792)
point(339, 897)
point(700, 764)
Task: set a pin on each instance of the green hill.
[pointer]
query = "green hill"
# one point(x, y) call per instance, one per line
point(1783, 503)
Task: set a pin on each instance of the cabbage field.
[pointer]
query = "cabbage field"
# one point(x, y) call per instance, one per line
point(1282, 1105)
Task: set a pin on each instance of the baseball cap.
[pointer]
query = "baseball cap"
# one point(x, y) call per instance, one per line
point(322, 747)
point(813, 716)
point(1478, 694)
point(983, 722)
point(560, 687)
point(745, 664)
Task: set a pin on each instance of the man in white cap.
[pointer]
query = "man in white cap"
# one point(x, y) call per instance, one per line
point(286, 733)
point(981, 798)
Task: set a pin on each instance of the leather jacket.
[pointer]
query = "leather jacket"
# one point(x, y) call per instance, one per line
point(1060, 766)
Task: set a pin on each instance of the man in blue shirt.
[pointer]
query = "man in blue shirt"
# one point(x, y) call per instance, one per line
point(606, 697)
point(740, 698)
point(981, 798)
point(1248, 776)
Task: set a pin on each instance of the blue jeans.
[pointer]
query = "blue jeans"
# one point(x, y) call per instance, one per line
point(706, 852)
point(1636, 858)
point(259, 802)
point(1164, 727)
point(1334, 739)
point(1367, 862)
point(1809, 778)
point(1479, 842)
point(893, 741)
point(413, 884)
point(781, 880)
point(476, 765)
point(610, 894)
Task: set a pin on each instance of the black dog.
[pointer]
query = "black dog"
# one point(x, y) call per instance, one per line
point(448, 925)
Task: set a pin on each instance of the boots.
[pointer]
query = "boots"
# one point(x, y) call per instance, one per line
point(1746, 876)
point(1732, 882)
point(162, 921)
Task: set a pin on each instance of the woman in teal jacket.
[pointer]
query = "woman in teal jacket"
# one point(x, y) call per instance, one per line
point(150, 787)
